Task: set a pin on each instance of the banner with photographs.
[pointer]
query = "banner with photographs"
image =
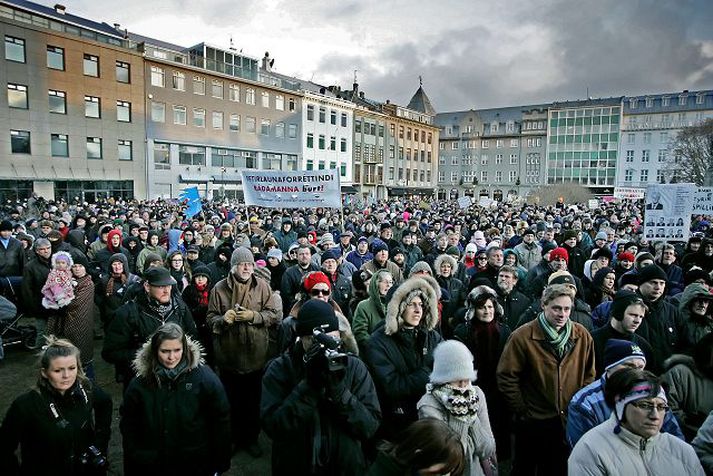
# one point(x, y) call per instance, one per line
point(668, 209)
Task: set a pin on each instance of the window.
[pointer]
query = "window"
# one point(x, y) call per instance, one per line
point(310, 165)
point(217, 119)
point(513, 159)
point(484, 144)
point(344, 119)
point(498, 159)
point(513, 143)
point(633, 103)
point(250, 124)
point(512, 177)
point(179, 81)
point(631, 138)
point(20, 142)
point(665, 101)
point(158, 111)
point(498, 175)
point(454, 160)
point(484, 159)
point(454, 145)
point(663, 138)
point(265, 99)
point(322, 115)
point(343, 145)
point(310, 140)
point(161, 157)
point(700, 97)
point(280, 130)
point(494, 127)
point(279, 102)
point(454, 176)
point(17, 96)
point(291, 104)
point(57, 102)
point(250, 96)
point(509, 126)
point(94, 148)
point(123, 72)
point(55, 58)
point(125, 150)
point(499, 144)
point(179, 115)
point(14, 49)
point(157, 76)
point(483, 175)
point(647, 138)
point(662, 155)
point(357, 126)
point(629, 155)
point(59, 145)
point(682, 99)
point(310, 113)
point(441, 176)
point(217, 89)
point(660, 176)
point(123, 111)
point(191, 155)
point(629, 175)
point(91, 66)
point(333, 118)
point(92, 107)
point(235, 122)
point(292, 131)
point(645, 156)
point(265, 127)
point(321, 141)
point(644, 175)
point(199, 85)
point(198, 117)
point(234, 92)
point(408, 133)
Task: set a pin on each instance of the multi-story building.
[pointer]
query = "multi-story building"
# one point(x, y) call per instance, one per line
point(72, 118)
point(649, 129)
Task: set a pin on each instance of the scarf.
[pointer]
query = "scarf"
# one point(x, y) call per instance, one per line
point(558, 340)
point(486, 340)
point(121, 278)
point(164, 374)
point(202, 294)
point(462, 403)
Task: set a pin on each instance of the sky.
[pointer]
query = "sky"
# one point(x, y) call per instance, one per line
point(471, 54)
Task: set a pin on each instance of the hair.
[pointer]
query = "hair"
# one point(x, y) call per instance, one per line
point(506, 268)
point(427, 442)
point(168, 331)
point(170, 257)
point(553, 291)
point(54, 348)
point(492, 250)
point(622, 381)
point(41, 242)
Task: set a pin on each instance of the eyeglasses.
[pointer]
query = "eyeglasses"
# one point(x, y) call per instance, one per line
point(482, 258)
point(176, 261)
point(320, 292)
point(648, 406)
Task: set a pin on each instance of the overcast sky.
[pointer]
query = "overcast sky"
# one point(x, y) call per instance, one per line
point(471, 54)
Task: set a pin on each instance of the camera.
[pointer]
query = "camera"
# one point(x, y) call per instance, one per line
point(335, 359)
point(93, 462)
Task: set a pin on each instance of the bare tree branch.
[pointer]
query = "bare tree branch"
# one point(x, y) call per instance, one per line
point(692, 157)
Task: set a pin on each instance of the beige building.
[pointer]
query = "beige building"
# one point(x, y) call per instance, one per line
point(72, 118)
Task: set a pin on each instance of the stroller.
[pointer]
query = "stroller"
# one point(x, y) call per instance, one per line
point(11, 332)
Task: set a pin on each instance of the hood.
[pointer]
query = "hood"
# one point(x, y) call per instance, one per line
point(136, 249)
point(111, 234)
point(691, 292)
point(373, 290)
point(679, 359)
point(203, 271)
point(476, 296)
point(143, 361)
point(174, 235)
point(445, 258)
point(509, 252)
point(398, 302)
point(120, 257)
point(77, 239)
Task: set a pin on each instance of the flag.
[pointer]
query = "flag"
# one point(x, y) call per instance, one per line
point(193, 200)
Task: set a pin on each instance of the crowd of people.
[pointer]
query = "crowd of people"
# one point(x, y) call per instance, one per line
point(405, 337)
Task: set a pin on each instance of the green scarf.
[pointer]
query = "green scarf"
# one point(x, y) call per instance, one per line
point(558, 340)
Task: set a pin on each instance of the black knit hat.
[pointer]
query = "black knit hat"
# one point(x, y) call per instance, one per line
point(618, 351)
point(650, 273)
point(6, 225)
point(623, 299)
point(316, 314)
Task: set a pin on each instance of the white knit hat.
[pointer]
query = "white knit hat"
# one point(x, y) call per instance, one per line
point(452, 361)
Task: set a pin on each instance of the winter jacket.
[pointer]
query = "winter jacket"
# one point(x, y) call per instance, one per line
point(674, 278)
point(34, 277)
point(662, 328)
point(514, 306)
point(317, 431)
point(292, 284)
point(528, 256)
point(12, 258)
point(536, 384)
point(119, 295)
point(359, 260)
point(284, 240)
point(588, 409)
point(703, 444)
point(341, 284)
point(46, 445)
point(412, 255)
point(690, 393)
point(695, 327)
point(179, 426)
point(158, 249)
point(602, 335)
point(603, 452)
point(244, 347)
point(368, 314)
point(401, 359)
point(390, 266)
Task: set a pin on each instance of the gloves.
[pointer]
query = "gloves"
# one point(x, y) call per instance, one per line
point(315, 368)
point(335, 385)
point(245, 315)
point(230, 316)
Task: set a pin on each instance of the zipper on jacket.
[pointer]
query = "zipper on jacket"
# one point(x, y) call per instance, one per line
point(642, 453)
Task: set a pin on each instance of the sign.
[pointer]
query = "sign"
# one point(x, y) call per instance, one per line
point(667, 214)
point(703, 201)
point(593, 203)
point(629, 193)
point(465, 202)
point(306, 189)
point(485, 202)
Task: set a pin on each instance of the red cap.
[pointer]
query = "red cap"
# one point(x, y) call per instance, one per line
point(559, 253)
point(314, 278)
point(625, 255)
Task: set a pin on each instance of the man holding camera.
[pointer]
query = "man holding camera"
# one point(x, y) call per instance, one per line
point(318, 404)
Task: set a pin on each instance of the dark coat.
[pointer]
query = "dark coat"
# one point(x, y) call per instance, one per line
point(604, 333)
point(663, 329)
point(34, 277)
point(514, 306)
point(297, 418)
point(12, 258)
point(292, 284)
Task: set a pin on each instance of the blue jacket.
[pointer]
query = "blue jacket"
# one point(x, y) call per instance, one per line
point(588, 409)
point(358, 259)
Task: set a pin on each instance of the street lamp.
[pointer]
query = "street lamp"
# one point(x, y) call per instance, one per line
point(222, 183)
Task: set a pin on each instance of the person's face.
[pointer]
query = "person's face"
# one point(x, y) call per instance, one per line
point(192, 255)
point(162, 294)
point(170, 353)
point(482, 260)
point(61, 373)
point(557, 311)
point(406, 240)
point(385, 284)
point(287, 227)
point(387, 233)
point(245, 270)
point(381, 256)
point(330, 265)
point(442, 242)
point(495, 258)
point(115, 241)
point(608, 281)
point(5, 234)
point(695, 246)
point(154, 240)
point(571, 242)
point(413, 312)
point(320, 291)
point(362, 246)
point(45, 229)
point(177, 262)
point(633, 250)
point(559, 264)
point(445, 269)
point(188, 236)
point(399, 259)
point(668, 256)
point(345, 240)
point(699, 307)
point(201, 280)
point(610, 236)
point(529, 238)
point(453, 239)
point(603, 262)
point(78, 270)
point(645, 417)
point(645, 263)
point(653, 289)
point(304, 255)
point(506, 281)
point(61, 265)
point(626, 264)
point(81, 222)
point(633, 316)
point(224, 233)
point(549, 235)
point(44, 251)
point(486, 312)
point(273, 261)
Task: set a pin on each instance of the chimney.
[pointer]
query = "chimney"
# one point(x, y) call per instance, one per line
point(361, 94)
point(388, 101)
point(59, 8)
point(117, 26)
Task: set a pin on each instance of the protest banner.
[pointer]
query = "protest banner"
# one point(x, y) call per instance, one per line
point(465, 202)
point(668, 210)
point(302, 189)
point(629, 193)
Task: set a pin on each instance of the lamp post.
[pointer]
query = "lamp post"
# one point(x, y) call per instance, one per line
point(222, 184)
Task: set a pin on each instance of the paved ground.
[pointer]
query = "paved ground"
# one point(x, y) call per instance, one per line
point(18, 373)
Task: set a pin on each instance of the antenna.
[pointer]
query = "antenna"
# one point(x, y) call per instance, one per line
point(420, 80)
point(355, 75)
point(232, 47)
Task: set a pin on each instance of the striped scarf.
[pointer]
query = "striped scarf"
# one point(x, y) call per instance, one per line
point(558, 340)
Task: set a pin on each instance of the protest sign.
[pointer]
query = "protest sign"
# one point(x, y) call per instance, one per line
point(464, 202)
point(703, 201)
point(667, 213)
point(305, 189)
point(630, 193)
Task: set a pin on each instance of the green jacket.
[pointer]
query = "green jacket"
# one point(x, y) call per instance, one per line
point(369, 313)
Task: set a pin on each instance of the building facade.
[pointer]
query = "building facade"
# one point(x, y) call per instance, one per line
point(72, 119)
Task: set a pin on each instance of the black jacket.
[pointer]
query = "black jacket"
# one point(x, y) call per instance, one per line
point(514, 306)
point(34, 277)
point(602, 335)
point(662, 328)
point(303, 421)
point(12, 258)
point(292, 284)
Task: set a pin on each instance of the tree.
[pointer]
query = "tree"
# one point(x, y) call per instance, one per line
point(550, 194)
point(692, 160)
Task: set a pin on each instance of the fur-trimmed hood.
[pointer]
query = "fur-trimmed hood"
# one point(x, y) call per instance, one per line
point(64, 255)
point(142, 361)
point(398, 303)
point(477, 294)
point(445, 258)
point(691, 292)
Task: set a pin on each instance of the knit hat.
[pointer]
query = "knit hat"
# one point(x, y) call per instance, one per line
point(363, 238)
point(313, 278)
point(452, 361)
point(629, 278)
point(241, 255)
point(275, 253)
point(625, 256)
point(315, 314)
point(201, 271)
point(81, 258)
point(528, 231)
point(650, 273)
point(618, 351)
point(642, 256)
point(561, 277)
point(691, 276)
point(603, 252)
point(334, 253)
point(378, 245)
point(453, 251)
point(623, 299)
point(471, 247)
point(569, 234)
point(420, 267)
point(559, 253)
point(602, 235)
point(547, 247)
point(326, 239)
point(6, 225)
